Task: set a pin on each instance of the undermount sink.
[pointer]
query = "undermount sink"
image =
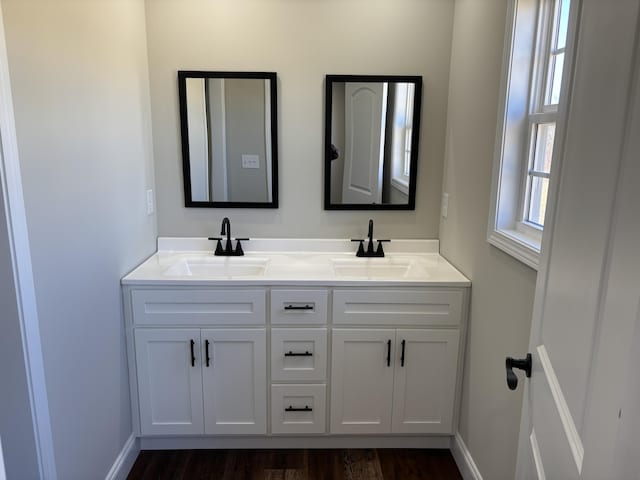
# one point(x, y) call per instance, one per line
point(218, 267)
point(374, 268)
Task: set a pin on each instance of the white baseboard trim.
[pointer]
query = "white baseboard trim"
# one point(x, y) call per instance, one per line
point(323, 441)
point(464, 461)
point(125, 459)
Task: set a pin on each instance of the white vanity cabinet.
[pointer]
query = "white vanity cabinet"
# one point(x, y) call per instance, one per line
point(273, 364)
point(201, 381)
point(393, 380)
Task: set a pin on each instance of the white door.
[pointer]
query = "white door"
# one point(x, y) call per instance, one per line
point(365, 121)
point(587, 305)
point(234, 381)
point(425, 380)
point(169, 381)
point(362, 380)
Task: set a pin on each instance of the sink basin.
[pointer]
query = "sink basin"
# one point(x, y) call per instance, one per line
point(372, 268)
point(218, 267)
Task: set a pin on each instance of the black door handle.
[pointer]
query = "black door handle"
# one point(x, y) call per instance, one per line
point(206, 352)
point(193, 356)
point(522, 364)
point(388, 353)
point(402, 355)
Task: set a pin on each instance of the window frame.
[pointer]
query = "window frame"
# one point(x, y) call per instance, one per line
point(530, 37)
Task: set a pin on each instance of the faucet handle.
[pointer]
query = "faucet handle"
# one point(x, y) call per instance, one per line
point(379, 250)
point(360, 252)
point(238, 251)
point(219, 250)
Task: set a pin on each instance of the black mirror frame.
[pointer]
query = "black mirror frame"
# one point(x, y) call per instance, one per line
point(415, 139)
point(184, 131)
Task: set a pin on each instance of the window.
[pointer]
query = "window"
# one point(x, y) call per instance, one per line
point(536, 52)
point(402, 134)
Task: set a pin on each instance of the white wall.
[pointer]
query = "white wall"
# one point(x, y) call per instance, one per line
point(302, 41)
point(502, 287)
point(80, 87)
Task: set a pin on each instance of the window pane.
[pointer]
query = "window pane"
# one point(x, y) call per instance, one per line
point(538, 200)
point(563, 24)
point(544, 135)
point(555, 79)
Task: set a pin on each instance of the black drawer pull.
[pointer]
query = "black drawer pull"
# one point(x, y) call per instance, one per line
point(388, 353)
point(402, 356)
point(298, 354)
point(193, 356)
point(306, 408)
point(206, 349)
point(298, 307)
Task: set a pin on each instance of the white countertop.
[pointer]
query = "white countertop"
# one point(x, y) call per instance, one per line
point(304, 262)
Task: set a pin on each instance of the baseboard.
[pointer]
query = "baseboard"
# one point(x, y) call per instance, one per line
point(462, 456)
point(277, 442)
point(125, 459)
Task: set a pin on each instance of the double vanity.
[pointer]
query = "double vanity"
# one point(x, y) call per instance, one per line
point(295, 343)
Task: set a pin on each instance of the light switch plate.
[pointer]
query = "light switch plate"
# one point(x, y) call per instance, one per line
point(445, 205)
point(250, 161)
point(150, 206)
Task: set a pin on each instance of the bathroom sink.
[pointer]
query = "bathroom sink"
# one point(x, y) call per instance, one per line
point(372, 268)
point(218, 267)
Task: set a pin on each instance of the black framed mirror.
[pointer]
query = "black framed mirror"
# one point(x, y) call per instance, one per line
point(372, 130)
point(229, 132)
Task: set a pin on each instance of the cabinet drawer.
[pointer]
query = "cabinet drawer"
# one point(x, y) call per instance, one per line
point(307, 307)
point(406, 307)
point(199, 307)
point(298, 408)
point(298, 354)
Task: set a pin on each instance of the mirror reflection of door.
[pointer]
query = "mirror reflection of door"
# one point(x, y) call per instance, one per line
point(372, 138)
point(229, 139)
point(365, 120)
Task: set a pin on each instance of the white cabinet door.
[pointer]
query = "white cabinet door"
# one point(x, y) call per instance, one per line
point(169, 381)
point(234, 381)
point(425, 380)
point(362, 380)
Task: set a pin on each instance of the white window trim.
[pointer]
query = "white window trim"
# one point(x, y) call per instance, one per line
point(506, 230)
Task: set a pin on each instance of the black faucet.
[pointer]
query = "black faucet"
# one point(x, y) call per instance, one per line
point(228, 250)
point(370, 252)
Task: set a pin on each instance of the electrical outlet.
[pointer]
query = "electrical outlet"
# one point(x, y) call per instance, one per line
point(150, 206)
point(445, 205)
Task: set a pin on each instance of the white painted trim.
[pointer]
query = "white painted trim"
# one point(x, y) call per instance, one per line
point(276, 442)
point(464, 461)
point(125, 459)
point(3, 473)
point(517, 245)
point(11, 188)
point(537, 457)
point(569, 426)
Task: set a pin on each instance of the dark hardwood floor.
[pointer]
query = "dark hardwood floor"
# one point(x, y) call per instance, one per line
point(384, 464)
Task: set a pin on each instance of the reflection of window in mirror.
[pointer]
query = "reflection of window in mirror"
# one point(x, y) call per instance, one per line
point(402, 131)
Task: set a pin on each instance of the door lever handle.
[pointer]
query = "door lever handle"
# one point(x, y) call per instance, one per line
point(522, 364)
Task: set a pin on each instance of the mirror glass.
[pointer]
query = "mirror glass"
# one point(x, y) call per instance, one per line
point(371, 141)
point(229, 138)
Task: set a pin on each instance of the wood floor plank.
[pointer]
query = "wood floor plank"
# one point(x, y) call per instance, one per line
point(352, 464)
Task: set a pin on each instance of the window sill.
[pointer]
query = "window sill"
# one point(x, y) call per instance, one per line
point(400, 184)
point(518, 244)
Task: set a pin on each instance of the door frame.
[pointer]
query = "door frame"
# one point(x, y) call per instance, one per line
point(11, 190)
